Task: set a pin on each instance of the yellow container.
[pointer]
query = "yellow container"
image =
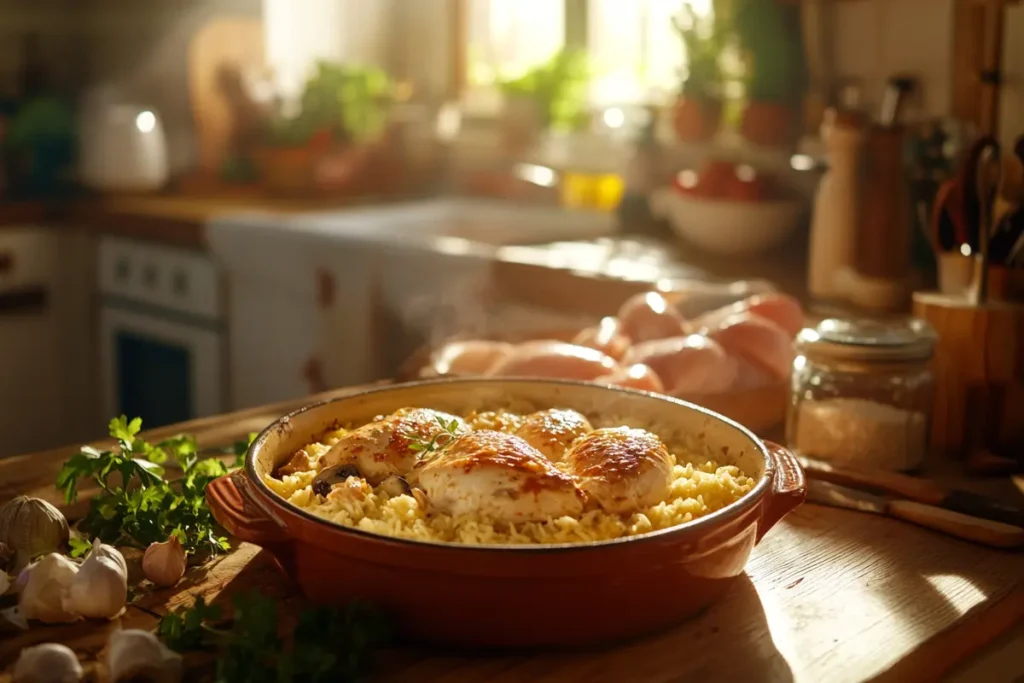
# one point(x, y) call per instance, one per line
point(577, 190)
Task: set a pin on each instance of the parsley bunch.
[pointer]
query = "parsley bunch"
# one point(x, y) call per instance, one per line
point(328, 644)
point(139, 506)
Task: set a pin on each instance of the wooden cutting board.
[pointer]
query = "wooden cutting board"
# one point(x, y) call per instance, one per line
point(220, 42)
point(828, 595)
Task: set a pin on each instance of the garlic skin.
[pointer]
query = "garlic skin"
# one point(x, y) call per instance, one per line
point(32, 527)
point(164, 563)
point(47, 663)
point(100, 589)
point(44, 595)
point(137, 654)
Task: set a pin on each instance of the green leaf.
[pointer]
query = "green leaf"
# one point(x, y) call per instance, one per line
point(79, 546)
point(124, 430)
point(149, 467)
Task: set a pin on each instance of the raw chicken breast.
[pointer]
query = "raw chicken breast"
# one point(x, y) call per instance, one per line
point(687, 365)
point(650, 316)
point(553, 359)
point(471, 357)
point(636, 376)
point(758, 341)
point(388, 446)
point(622, 469)
point(783, 310)
point(498, 476)
point(552, 431)
point(606, 337)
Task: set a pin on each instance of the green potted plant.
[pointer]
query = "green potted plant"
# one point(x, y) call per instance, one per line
point(770, 40)
point(340, 106)
point(698, 109)
point(549, 96)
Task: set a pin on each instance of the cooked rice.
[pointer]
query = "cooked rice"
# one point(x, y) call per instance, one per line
point(700, 486)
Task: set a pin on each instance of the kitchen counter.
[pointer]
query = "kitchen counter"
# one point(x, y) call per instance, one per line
point(181, 221)
point(829, 595)
point(166, 219)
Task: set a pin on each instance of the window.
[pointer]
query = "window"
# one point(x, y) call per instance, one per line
point(508, 37)
point(632, 45)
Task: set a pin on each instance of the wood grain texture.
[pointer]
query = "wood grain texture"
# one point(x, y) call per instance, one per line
point(979, 371)
point(828, 595)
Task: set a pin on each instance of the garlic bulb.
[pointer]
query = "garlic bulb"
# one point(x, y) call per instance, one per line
point(6, 556)
point(32, 527)
point(136, 654)
point(44, 591)
point(164, 563)
point(47, 663)
point(100, 589)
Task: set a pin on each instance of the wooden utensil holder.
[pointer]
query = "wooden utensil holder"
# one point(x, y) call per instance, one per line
point(979, 371)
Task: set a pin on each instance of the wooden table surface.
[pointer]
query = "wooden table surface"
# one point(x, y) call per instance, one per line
point(829, 595)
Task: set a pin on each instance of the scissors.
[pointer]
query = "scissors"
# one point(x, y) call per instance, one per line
point(959, 206)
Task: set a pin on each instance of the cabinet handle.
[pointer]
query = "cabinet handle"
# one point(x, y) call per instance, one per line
point(24, 301)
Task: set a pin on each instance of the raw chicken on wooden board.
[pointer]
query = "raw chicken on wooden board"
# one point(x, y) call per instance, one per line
point(737, 355)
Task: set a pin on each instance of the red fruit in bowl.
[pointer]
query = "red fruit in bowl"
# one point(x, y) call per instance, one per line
point(745, 185)
point(714, 178)
point(685, 182)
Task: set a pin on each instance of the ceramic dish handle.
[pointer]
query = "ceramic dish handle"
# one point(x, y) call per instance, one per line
point(233, 507)
point(789, 488)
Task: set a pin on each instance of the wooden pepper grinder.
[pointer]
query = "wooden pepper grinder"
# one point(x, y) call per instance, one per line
point(880, 278)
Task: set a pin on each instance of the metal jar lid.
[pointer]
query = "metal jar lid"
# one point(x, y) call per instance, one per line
point(910, 339)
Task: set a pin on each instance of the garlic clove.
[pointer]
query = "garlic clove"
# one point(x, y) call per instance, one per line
point(100, 589)
point(45, 590)
point(47, 663)
point(137, 654)
point(32, 527)
point(164, 563)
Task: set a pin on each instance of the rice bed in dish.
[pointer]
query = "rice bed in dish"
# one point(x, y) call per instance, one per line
point(506, 478)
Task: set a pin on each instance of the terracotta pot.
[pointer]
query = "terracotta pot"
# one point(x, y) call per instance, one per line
point(513, 596)
point(286, 170)
point(770, 124)
point(696, 120)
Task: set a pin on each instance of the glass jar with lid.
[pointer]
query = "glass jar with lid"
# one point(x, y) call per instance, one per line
point(861, 393)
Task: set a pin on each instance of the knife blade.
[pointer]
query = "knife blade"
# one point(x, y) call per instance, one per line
point(966, 527)
point(915, 488)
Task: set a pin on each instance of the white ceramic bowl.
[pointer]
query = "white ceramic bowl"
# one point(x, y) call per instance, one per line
point(727, 227)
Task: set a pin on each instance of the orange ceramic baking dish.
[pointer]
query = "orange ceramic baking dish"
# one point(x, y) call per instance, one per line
point(512, 596)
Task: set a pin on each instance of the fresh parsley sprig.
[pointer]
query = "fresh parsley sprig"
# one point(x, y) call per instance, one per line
point(449, 431)
point(136, 505)
point(327, 644)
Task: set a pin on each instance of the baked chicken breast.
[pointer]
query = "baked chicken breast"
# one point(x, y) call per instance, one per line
point(552, 431)
point(390, 446)
point(621, 469)
point(498, 476)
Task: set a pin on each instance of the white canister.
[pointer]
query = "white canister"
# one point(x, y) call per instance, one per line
point(122, 148)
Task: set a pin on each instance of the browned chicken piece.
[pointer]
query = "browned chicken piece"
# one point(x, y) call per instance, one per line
point(390, 445)
point(302, 461)
point(552, 431)
point(621, 469)
point(500, 477)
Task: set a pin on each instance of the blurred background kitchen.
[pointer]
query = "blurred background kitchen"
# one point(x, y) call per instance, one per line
point(213, 204)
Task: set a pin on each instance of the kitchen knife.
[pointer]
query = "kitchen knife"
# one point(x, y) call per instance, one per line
point(915, 488)
point(986, 532)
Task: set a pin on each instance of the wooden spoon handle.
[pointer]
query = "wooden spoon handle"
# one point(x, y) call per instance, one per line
point(994, 534)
